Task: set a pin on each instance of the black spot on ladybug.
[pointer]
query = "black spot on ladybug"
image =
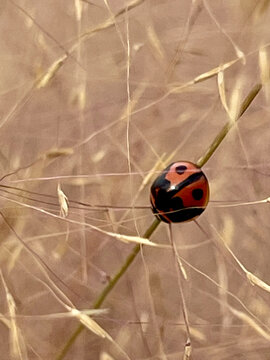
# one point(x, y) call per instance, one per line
point(176, 203)
point(162, 200)
point(180, 169)
point(184, 214)
point(197, 194)
point(158, 214)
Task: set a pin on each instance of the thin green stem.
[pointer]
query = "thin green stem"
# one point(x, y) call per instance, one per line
point(109, 287)
point(202, 161)
point(126, 264)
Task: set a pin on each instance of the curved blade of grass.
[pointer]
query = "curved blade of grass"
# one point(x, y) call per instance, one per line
point(202, 161)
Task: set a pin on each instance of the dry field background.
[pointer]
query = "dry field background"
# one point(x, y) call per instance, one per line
point(95, 97)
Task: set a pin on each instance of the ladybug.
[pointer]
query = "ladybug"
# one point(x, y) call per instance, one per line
point(180, 193)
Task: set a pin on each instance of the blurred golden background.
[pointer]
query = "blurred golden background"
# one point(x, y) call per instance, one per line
point(96, 97)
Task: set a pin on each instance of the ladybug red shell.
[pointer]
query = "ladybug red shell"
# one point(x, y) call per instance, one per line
point(180, 193)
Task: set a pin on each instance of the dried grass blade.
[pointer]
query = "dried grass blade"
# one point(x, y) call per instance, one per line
point(221, 90)
point(254, 280)
point(248, 320)
point(187, 351)
point(17, 344)
point(91, 324)
point(63, 201)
